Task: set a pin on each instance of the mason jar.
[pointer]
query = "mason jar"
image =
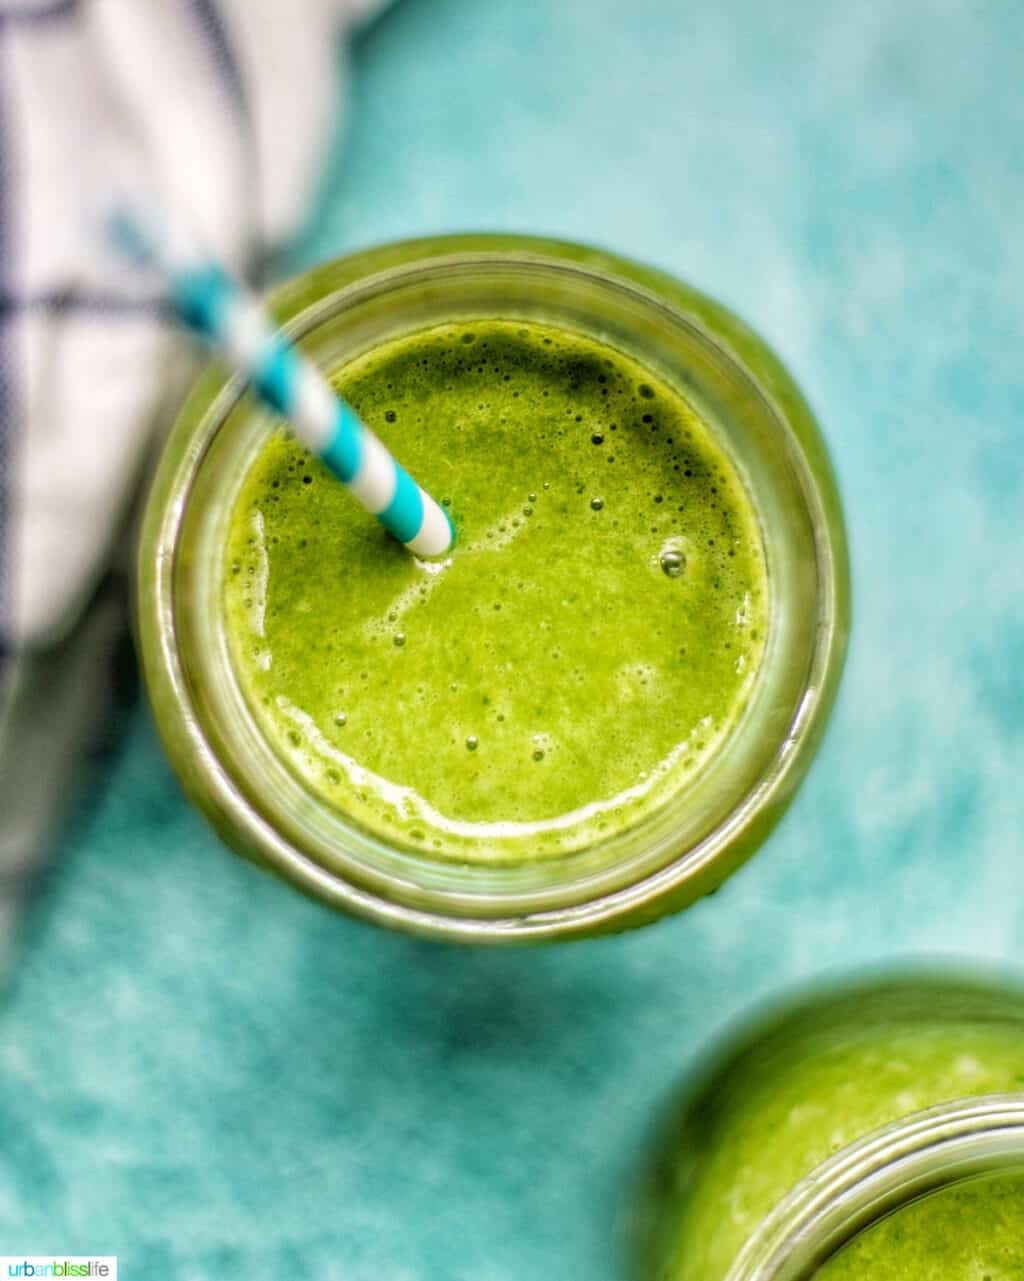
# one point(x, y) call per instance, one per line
point(829, 1139)
point(753, 410)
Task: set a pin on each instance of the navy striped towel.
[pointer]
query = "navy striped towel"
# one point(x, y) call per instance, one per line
point(223, 107)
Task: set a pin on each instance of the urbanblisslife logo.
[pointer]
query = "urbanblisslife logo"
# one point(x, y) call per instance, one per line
point(18, 1265)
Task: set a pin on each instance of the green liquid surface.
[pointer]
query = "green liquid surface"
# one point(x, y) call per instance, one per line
point(586, 647)
point(968, 1232)
point(788, 1102)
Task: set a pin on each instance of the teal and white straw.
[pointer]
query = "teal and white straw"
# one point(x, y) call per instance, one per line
point(217, 307)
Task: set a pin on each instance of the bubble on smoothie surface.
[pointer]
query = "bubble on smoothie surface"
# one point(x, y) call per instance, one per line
point(672, 558)
point(673, 563)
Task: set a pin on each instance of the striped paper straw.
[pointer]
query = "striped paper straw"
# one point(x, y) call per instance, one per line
point(216, 306)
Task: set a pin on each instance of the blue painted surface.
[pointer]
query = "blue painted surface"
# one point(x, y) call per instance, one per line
point(215, 1078)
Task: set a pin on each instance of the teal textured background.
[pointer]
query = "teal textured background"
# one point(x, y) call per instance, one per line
point(210, 1076)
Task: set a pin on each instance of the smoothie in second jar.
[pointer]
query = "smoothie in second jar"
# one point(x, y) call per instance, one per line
point(581, 655)
point(820, 1076)
point(970, 1231)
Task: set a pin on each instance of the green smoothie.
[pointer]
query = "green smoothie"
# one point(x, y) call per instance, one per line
point(575, 662)
point(970, 1231)
point(820, 1077)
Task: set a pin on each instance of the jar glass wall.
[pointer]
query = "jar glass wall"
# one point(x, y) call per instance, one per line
point(685, 848)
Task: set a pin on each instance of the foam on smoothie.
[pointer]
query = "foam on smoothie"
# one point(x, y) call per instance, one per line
point(582, 653)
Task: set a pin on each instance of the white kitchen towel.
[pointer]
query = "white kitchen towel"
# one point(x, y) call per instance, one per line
point(218, 108)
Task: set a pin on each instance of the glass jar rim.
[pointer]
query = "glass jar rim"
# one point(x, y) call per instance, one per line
point(878, 1173)
point(305, 304)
